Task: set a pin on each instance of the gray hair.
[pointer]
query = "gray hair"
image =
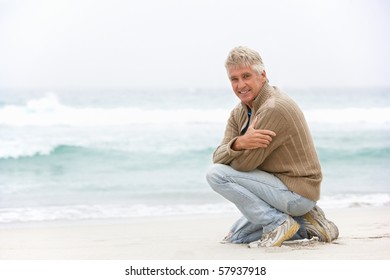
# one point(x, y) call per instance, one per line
point(245, 57)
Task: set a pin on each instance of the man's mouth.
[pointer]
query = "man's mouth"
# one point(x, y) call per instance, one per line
point(243, 92)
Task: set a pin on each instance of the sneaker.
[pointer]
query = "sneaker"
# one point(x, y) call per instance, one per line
point(276, 237)
point(317, 225)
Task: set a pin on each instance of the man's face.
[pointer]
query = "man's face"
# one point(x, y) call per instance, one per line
point(246, 83)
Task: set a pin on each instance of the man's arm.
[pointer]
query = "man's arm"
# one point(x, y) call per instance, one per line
point(224, 153)
point(260, 142)
point(253, 138)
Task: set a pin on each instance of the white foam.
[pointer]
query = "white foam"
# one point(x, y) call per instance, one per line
point(108, 211)
point(349, 115)
point(355, 200)
point(21, 148)
point(82, 212)
point(48, 111)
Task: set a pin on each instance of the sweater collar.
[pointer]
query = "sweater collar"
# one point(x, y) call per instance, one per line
point(264, 94)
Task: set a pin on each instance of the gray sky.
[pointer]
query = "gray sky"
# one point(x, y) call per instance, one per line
point(75, 44)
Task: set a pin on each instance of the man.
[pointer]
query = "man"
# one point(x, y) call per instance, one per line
point(267, 164)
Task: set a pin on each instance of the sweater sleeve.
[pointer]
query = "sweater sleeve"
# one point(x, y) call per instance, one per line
point(269, 119)
point(224, 154)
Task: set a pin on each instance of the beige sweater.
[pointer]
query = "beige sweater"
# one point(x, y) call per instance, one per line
point(291, 156)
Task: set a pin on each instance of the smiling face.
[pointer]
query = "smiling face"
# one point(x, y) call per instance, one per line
point(246, 83)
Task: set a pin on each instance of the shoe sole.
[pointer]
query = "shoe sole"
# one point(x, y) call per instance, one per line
point(290, 233)
point(311, 220)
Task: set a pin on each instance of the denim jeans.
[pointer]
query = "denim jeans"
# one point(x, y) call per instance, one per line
point(261, 197)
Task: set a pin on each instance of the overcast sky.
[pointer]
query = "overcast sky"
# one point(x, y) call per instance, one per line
point(57, 44)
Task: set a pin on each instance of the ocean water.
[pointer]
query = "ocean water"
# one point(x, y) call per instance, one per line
point(75, 155)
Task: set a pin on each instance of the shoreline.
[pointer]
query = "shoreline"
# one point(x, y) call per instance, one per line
point(364, 235)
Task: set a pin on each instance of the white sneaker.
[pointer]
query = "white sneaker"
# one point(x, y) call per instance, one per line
point(276, 237)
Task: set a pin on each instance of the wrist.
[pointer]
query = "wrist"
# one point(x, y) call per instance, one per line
point(236, 145)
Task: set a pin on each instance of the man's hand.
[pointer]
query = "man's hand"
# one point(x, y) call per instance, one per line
point(253, 138)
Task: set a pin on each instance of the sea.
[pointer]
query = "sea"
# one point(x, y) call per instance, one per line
point(77, 155)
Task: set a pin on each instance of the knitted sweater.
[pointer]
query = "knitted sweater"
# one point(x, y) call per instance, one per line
point(291, 155)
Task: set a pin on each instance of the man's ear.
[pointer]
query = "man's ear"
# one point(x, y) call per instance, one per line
point(264, 76)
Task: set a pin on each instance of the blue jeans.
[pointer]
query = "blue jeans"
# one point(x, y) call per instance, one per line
point(261, 197)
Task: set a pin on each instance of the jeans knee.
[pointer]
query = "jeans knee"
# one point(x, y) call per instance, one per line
point(300, 207)
point(214, 176)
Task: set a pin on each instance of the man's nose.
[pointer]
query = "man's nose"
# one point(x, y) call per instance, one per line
point(241, 84)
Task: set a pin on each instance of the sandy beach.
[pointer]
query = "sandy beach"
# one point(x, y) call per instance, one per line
point(364, 235)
